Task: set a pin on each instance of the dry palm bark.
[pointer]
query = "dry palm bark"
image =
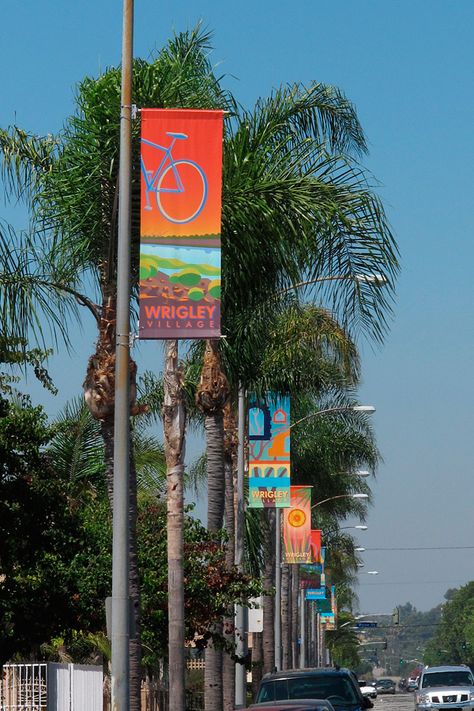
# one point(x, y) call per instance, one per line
point(285, 615)
point(211, 397)
point(174, 420)
point(295, 584)
point(268, 595)
point(99, 394)
point(230, 463)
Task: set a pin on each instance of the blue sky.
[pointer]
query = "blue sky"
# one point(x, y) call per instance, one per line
point(408, 67)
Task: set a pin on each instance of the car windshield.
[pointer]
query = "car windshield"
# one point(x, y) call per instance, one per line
point(447, 678)
point(339, 690)
point(385, 682)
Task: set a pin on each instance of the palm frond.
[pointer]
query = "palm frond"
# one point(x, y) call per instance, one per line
point(77, 448)
point(24, 159)
point(150, 463)
point(28, 298)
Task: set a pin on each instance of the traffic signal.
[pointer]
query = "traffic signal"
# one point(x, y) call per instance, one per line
point(402, 662)
point(384, 644)
point(396, 616)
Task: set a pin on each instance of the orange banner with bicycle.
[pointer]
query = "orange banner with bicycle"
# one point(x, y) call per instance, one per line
point(180, 223)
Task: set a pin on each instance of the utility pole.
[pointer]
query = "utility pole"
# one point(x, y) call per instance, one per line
point(120, 524)
point(278, 590)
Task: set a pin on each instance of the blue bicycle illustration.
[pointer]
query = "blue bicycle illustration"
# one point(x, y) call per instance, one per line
point(167, 179)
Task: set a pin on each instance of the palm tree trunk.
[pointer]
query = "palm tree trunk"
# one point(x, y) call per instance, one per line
point(230, 452)
point(174, 419)
point(107, 430)
point(257, 661)
point(135, 647)
point(294, 616)
point(99, 393)
point(285, 615)
point(214, 424)
point(211, 397)
point(268, 596)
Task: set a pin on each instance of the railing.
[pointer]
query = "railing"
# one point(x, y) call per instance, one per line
point(23, 687)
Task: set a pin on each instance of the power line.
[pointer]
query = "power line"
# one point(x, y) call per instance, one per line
point(416, 582)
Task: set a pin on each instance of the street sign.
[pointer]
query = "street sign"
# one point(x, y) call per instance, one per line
point(366, 624)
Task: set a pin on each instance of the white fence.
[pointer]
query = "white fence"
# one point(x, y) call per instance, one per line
point(51, 687)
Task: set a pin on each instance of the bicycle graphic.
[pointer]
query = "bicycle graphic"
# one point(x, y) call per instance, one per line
point(154, 181)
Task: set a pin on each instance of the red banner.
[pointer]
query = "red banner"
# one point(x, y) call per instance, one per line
point(315, 545)
point(180, 223)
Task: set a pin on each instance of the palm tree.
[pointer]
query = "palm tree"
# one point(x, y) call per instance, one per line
point(71, 183)
point(294, 197)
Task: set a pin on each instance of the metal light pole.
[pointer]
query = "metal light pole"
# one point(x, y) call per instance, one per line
point(313, 634)
point(120, 546)
point(278, 590)
point(302, 630)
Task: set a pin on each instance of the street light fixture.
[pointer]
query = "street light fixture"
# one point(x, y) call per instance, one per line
point(376, 279)
point(277, 622)
point(368, 409)
point(341, 496)
point(362, 473)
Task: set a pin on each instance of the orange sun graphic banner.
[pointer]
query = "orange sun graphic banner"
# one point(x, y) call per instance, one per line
point(180, 223)
point(297, 526)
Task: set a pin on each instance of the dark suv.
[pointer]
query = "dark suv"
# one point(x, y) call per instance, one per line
point(339, 686)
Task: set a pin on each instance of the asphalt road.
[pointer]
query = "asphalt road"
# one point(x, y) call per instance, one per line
point(394, 702)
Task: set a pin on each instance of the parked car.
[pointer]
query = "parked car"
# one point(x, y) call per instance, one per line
point(445, 688)
point(294, 705)
point(385, 686)
point(335, 685)
point(367, 688)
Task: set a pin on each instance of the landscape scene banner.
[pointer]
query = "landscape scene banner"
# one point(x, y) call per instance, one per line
point(310, 576)
point(269, 452)
point(328, 620)
point(297, 526)
point(323, 606)
point(180, 223)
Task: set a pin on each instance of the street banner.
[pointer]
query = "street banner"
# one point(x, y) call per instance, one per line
point(322, 557)
point(328, 620)
point(180, 223)
point(334, 602)
point(315, 593)
point(310, 576)
point(269, 452)
point(323, 605)
point(297, 526)
point(316, 545)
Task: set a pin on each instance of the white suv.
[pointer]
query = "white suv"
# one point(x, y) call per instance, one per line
point(446, 688)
